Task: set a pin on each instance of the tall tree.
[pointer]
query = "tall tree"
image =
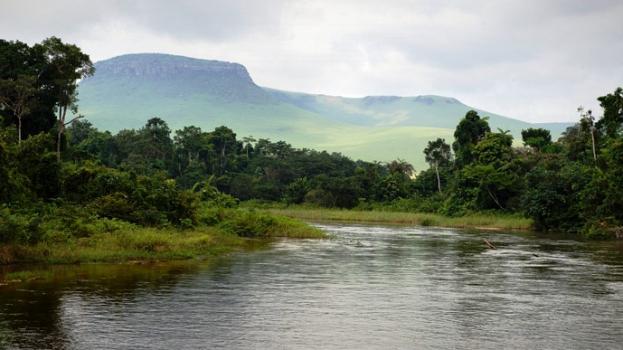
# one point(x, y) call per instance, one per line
point(66, 65)
point(224, 142)
point(468, 133)
point(612, 121)
point(248, 143)
point(155, 145)
point(190, 144)
point(588, 121)
point(537, 138)
point(16, 95)
point(438, 154)
point(400, 167)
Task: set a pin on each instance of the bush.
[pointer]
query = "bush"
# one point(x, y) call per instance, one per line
point(115, 205)
point(600, 230)
point(39, 165)
point(212, 196)
point(90, 181)
point(18, 228)
point(320, 198)
point(245, 223)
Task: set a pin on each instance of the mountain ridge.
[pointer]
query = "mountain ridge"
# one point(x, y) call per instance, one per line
point(126, 90)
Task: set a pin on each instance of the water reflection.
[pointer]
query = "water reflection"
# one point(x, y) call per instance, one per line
point(369, 287)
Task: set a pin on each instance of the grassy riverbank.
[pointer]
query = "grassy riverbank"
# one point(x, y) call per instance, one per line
point(114, 241)
point(478, 221)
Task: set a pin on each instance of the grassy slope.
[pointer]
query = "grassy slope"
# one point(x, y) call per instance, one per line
point(477, 221)
point(274, 121)
point(364, 128)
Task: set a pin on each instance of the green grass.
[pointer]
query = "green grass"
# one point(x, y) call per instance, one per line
point(145, 244)
point(478, 221)
point(236, 229)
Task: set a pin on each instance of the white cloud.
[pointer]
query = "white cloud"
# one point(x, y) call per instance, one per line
point(532, 60)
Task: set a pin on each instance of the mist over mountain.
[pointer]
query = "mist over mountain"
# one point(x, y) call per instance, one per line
point(127, 90)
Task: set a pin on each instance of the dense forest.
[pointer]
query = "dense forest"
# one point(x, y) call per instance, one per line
point(54, 163)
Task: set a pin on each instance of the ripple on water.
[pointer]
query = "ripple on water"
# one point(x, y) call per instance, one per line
point(368, 287)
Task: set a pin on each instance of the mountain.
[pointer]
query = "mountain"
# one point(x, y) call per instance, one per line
point(127, 90)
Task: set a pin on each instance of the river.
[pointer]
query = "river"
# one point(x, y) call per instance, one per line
point(369, 287)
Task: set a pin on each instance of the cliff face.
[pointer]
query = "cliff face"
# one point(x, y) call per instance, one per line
point(170, 75)
point(169, 66)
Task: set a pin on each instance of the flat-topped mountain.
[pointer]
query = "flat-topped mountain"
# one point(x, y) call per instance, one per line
point(127, 90)
point(163, 66)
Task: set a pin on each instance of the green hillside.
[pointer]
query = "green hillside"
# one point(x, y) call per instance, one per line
point(127, 90)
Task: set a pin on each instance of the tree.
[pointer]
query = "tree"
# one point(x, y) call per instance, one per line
point(190, 142)
point(155, 146)
point(438, 154)
point(400, 167)
point(493, 178)
point(66, 65)
point(16, 96)
point(223, 139)
point(295, 192)
point(468, 133)
point(588, 121)
point(17, 61)
point(248, 144)
point(495, 149)
point(613, 113)
point(537, 138)
point(79, 131)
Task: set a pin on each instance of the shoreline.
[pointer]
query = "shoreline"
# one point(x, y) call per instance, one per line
point(135, 245)
point(490, 222)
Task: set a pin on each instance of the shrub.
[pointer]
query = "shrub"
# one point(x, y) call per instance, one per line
point(246, 223)
point(115, 205)
point(597, 230)
point(89, 181)
point(320, 198)
point(212, 196)
point(18, 228)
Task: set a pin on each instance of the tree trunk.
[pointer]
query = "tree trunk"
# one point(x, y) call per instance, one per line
point(223, 162)
point(61, 128)
point(438, 179)
point(593, 139)
point(19, 129)
point(58, 145)
point(494, 199)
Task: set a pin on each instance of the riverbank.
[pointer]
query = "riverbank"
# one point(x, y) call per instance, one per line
point(475, 221)
point(121, 242)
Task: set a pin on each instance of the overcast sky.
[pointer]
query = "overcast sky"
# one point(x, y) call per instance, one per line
point(531, 60)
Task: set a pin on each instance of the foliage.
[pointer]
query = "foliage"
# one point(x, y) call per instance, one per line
point(468, 133)
point(152, 176)
point(538, 139)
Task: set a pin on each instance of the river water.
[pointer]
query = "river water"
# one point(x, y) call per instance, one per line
point(369, 287)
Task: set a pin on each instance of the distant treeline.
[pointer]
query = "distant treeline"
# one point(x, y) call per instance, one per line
point(150, 175)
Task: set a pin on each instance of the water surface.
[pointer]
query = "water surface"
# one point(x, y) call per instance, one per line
point(370, 287)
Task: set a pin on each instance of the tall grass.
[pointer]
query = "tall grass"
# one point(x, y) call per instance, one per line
point(233, 229)
point(480, 221)
point(260, 224)
point(145, 244)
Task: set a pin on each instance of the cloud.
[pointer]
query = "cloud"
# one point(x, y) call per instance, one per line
point(529, 59)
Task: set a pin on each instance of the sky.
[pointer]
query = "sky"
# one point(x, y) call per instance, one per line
point(527, 59)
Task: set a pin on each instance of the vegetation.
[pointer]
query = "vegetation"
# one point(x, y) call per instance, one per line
point(127, 88)
point(70, 192)
point(113, 240)
point(493, 221)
